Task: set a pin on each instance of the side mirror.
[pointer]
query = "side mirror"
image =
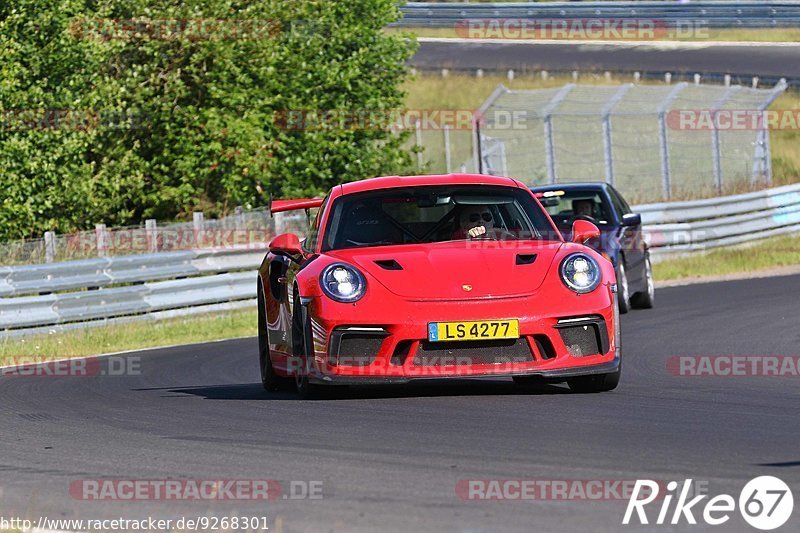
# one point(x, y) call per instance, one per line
point(286, 244)
point(631, 219)
point(583, 230)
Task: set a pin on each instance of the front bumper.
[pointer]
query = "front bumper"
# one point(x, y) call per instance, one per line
point(577, 336)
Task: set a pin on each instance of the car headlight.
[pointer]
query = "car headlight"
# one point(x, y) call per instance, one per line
point(580, 273)
point(342, 283)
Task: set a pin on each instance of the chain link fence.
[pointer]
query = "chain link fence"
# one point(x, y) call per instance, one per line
point(652, 142)
point(243, 229)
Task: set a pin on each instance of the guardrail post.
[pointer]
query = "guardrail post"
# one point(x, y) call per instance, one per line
point(49, 246)
point(102, 239)
point(151, 234)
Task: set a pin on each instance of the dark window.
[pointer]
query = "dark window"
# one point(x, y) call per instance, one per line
point(432, 214)
point(313, 230)
point(619, 202)
point(565, 204)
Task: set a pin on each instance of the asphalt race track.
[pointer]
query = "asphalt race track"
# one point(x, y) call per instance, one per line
point(768, 61)
point(390, 458)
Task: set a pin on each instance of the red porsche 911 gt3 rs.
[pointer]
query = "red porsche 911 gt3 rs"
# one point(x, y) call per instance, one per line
point(404, 278)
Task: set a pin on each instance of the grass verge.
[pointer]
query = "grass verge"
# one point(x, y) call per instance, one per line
point(129, 336)
point(769, 254)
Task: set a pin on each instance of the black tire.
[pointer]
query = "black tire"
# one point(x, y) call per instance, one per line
point(646, 298)
point(623, 292)
point(596, 383)
point(269, 379)
point(300, 342)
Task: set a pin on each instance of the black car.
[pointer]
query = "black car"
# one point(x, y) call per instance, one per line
point(620, 239)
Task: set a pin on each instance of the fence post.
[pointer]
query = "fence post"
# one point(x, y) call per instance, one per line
point(418, 140)
point(198, 223)
point(764, 145)
point(715, 146)
point(238, 220)
point(608, 154)
point(478, 117)
point(151, 233)
point(49, 246)
point(102, 241)
point(549, 148)
point(663, 107)
point(448, 162)
point(503, 160)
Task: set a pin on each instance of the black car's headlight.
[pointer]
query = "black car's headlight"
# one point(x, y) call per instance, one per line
point(580, 273)
point(342, 283)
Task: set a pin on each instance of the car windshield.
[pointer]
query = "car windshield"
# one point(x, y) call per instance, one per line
point(566, 205)
point(433, 214)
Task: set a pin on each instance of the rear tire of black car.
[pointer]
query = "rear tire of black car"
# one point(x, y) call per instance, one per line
point(646, 298)
point(623, 293)
point(300, 343)
point(596, 383)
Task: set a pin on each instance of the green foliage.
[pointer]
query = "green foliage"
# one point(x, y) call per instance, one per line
point(186, 119)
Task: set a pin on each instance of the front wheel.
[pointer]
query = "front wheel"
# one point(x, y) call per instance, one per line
point(646, 298)
point(596, 383)
point(300, 350)
point(623, 293)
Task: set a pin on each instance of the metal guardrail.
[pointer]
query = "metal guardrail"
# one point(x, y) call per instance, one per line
point(70, 294)
point(709, 14)
point(108, 271)
point(699, 225)
point(38, 295)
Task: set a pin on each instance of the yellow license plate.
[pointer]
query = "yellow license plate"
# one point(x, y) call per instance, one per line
point(470, 331)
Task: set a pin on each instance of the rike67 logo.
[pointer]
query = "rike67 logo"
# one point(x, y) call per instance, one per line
point(765, 503)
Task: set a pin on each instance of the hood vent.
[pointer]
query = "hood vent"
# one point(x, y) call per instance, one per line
point(388, 264)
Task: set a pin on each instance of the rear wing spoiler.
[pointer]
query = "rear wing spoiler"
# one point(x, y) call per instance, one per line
point(279, 206)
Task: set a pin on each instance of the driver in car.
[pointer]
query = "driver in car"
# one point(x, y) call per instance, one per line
point(583, 208)
point(475, 221)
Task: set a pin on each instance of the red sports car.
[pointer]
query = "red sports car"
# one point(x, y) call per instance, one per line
point(404, 278)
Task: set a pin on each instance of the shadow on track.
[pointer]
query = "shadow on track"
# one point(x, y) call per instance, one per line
point(477, 387)
point(781, 465)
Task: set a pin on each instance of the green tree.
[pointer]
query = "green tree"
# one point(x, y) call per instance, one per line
point(187, 98)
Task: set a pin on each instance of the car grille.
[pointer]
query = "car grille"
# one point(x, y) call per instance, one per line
point(583, 338)
point(349, 347)
point(473, 352)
